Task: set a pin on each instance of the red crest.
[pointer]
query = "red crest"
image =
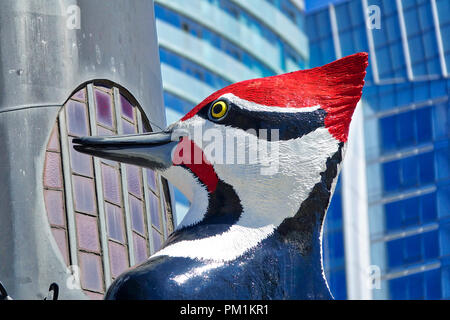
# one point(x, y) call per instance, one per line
point(336, 87)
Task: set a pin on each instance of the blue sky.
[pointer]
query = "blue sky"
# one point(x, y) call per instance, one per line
point(314, 4)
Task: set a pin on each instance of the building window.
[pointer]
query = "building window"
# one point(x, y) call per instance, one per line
point(411, 212)
point(414, 249)
point(105, 216)
point(407, 173)
point(419, 286)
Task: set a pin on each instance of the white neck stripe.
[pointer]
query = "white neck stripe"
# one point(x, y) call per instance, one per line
point(220, 248)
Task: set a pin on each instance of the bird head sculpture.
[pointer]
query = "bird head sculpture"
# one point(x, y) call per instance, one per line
point(258, 161)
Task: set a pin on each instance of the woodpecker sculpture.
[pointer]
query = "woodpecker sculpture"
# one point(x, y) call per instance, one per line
point(247, 235)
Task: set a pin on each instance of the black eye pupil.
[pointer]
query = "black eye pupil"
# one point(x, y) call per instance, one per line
point(218, 108)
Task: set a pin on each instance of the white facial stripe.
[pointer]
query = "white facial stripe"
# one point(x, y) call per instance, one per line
point(220, 248)
point(251, 106)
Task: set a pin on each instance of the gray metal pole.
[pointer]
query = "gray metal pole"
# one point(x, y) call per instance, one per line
point(48, 49)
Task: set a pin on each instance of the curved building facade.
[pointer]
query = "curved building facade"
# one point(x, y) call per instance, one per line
point(206, 45)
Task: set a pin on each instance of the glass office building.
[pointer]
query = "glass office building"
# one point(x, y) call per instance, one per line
point(399, 246)
point(208, 44)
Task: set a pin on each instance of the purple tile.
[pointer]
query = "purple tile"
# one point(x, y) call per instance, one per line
point(104, 132)
point(134, 180)
point(91, 271)
point(84, 194)
point(118, 257)
point(140, 248)
point(94, 296)
point(77, 121)
point(127, 108)
point(104, 108)
point(61, 240)
point(52, 171)
point(53, 143)
point(115, 222)
point(128, 128)
point(55, 207)
point(111, 184)
point(137, 214)
point(80, 95)
point(157, 240)
point(87, 233)
point(154, 210)
point(151, 179)
point(81, 163)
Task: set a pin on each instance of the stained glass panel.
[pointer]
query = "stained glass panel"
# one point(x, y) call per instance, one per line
point(84, 194)
point(137, 214)
point(87, 233)
point(61, 240)
point(55, 207)
point(103, 102)
point(91, 272)
point(115, 222)
point(118, 257)
point(111, 184)
point(70, 193)
point(127, 109)
point(77, 123)
point(134, 180)
point(52, 172)
point(140, 248)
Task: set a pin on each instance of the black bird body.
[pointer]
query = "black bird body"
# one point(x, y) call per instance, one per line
point(273, 270)
point(250, 233)
point(286, 265)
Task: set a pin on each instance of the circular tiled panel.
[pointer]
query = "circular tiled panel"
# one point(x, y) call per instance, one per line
point(102, 214)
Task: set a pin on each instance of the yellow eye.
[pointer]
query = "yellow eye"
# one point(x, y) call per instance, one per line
point(219, 109)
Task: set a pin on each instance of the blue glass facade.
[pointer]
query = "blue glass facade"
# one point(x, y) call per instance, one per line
point(406, 125)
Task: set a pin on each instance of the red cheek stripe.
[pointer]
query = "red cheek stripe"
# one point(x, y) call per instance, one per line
point(188, 154)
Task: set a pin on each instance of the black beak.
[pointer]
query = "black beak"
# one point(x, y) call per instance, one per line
point(151, 150)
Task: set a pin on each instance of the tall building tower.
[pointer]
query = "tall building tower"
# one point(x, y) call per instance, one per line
point(206, 45)
point(390, 236)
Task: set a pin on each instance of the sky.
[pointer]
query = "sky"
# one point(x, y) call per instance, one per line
point(315, 4)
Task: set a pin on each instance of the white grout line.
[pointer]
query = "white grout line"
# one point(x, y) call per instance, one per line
point(71, 224)
point(124, 180)
point(162, 212)
point(146, 191)
point(99, 189)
